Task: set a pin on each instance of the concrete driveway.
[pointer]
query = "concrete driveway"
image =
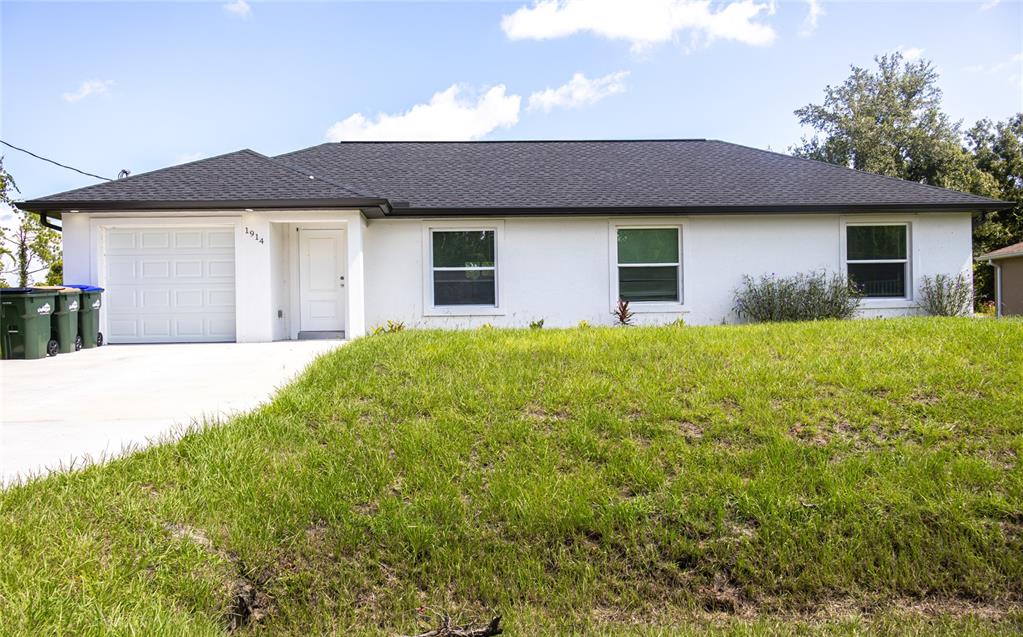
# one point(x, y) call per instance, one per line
point(97, 403)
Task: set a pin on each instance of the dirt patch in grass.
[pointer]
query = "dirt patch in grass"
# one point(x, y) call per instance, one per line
point(690, 431)
point(542, 414)
point(925, 397)
point(247, 601)
point(249, 604)
point(841, 432)
point(723, 596)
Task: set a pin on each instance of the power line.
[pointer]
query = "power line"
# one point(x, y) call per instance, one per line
point(57, 163)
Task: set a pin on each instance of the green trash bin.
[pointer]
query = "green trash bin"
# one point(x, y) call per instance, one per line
point(64, 320)
point(88, 315)
point(25, 322)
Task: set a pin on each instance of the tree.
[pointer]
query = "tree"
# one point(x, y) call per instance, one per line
point(29, 248)
point(890, 122)
point(997, 151)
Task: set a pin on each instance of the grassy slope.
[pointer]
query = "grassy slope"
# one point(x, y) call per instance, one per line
point(757, 479)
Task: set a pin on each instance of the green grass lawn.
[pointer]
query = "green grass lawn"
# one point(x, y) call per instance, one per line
point(834, 477)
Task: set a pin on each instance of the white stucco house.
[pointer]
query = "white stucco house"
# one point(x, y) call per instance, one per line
point(338, 238)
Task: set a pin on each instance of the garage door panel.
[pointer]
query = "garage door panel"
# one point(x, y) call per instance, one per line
point(121, 329)
point(189, 299)
point(119, 299)
point(190, 268)
point(156, 240)
point(155, 269)
point(221, 328)
point(190, 326)
point(121, 270)
point(220, 298)
point(220, 239)
point(155, 299)
point(170, 285)
point(154, 326)
point(223, 270)
point(120, 240)
point(187, 240)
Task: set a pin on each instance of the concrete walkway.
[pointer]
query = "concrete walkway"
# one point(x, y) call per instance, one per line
point(97, 403)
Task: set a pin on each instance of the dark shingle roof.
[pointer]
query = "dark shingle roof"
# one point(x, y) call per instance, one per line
point(237, 176)
point(432, 177)
point(1015, 250)
point(689, 173)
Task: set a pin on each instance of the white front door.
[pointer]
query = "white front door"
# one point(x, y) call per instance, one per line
point(322, 275)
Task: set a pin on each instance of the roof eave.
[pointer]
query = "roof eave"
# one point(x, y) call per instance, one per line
point(696, 210)
point(380, 207)
point(998, 257)
point(44, 206)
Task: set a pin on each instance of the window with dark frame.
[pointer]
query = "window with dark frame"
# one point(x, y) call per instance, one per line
point(649, 265)
point(464, 267)
point(877, 259)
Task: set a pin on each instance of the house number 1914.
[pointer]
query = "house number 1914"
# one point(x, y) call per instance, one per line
point(252, 233)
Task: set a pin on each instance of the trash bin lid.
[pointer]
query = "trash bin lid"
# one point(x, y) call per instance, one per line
point(25, 291)
point(84, 288)
point(60, 289)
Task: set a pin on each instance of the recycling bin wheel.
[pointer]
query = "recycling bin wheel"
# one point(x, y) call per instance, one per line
point(99, 339)
point(53, 347)
point(78, 343)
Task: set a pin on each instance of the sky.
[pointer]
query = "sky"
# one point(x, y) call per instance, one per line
point(105, 86)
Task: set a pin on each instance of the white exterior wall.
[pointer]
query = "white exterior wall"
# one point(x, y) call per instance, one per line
point(561, 269)
point(280, 276)
point(557, 269)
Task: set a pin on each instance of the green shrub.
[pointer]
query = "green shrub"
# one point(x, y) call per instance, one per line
point(946, 295)
point(389, 328)
point(804, 297)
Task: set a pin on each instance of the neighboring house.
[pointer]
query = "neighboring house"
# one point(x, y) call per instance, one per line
point(1008, 264)
point(342, 237)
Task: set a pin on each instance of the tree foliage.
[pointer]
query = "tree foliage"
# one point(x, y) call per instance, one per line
point(29, 248)
point(890, 121)
point(997, 150)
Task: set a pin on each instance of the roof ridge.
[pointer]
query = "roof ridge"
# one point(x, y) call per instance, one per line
point(504, 141)
point(857, 170)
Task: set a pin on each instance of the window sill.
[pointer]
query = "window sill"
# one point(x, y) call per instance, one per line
point(464, 310)
point(884, 304)
point(648, 307)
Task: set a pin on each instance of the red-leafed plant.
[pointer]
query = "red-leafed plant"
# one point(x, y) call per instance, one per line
point(623, 313)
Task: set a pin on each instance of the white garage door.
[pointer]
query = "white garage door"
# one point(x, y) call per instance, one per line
point(169, 285)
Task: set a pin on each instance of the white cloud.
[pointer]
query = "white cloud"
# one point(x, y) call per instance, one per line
point(579, 91)
point(1014, 65)
point(88, 87)
point(186, 158)
point(240, 8)
point(643, 23)
point(910, 53)
point(450, 115)
point(1014, 61)
point(990, 4)
point(812, 15)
